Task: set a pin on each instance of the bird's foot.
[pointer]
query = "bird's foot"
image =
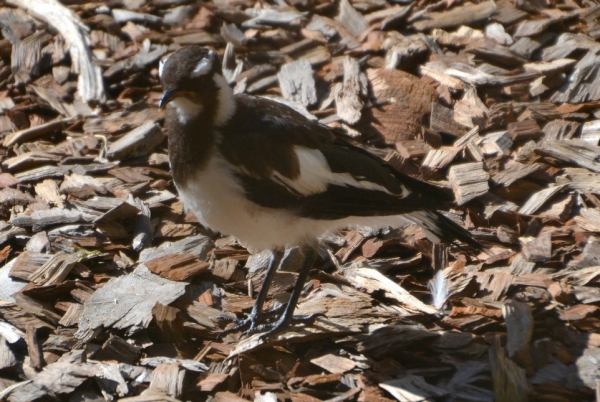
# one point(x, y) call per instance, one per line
point(283, 322)
point(250, 324)
point(256, 323)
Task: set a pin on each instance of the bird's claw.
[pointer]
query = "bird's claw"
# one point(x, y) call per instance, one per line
point(283, 322)
point(252, 322)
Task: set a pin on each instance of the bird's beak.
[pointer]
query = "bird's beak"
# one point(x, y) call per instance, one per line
point(167, 97)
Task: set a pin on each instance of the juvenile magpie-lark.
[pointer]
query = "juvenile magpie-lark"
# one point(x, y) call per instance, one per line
point(256, 169)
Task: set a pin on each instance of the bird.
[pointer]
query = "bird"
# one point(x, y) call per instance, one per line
point(256, 169)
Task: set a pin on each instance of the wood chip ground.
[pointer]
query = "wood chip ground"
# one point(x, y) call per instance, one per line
point(110, 290)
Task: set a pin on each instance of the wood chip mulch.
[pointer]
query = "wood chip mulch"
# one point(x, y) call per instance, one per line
point(110, 290)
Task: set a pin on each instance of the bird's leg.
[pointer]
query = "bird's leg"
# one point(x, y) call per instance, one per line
point(256, 314)
point(264, 289)
point(288, 314)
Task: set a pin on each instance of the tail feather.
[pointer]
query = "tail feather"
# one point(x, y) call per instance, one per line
point(440, 228)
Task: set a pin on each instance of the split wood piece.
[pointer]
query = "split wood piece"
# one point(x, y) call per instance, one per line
point(177, 267)
point(539, 249)
point(583, 82)
point(537, 200)
point(142, 229)
point(348, 100)
point(496, 143)
point(116, 348)
point(562, 129)
point(496, 284)
point(454, 84)
point(119, 213)
point(34, 348)
point(7, 180)
point(589, 220)
point(27, 264)
point(8, 232)
point(77, 41)
point(383, 341)
point(352, 241)
point(442, 119)
point(493, 52)
point(351, 19)
point(147, 55)
point(510, 383)
point(405, 101)
point(32, 133)
point(262, 17)
point(197, 245)
point(72, 316)
point(167, 229)
point(524, 130)
point(590, 132)
point(39, 174)
point(8, 359)
point(115, 306)
point(438, 159)
point(512, 172)
point(507, 14)
point(26, 56)
point(468, 181)
point(470, 111)
point(168, 378)
point(208, 382)
point(207, 317)
point(40, 309)
point(561, 208)
point(19, 318)
point(550, 68)
point(334, 364)
point(402, 52)
point(136, 143)
point(457, 16)
point(30, 159)
point(129, 175)
point(170, 322)
point(82, 186)
point(39, 220)
point(52, 98)
point(407, 387)
point(55, 270)
point(372, 281)
point(81, 293)
point(526, 47)
point(224, 268)
point(580, 179)
point(297, 82)
point(479, 78)
point(413, 148)
point(519, 326)
point(48, 191)
point(533, 27)
point(576, 152)
point(10, 197)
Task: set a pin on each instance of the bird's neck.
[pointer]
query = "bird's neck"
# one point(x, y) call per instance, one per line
point(193, 129)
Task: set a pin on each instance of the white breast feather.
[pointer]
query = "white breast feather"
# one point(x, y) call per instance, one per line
point(186, 109)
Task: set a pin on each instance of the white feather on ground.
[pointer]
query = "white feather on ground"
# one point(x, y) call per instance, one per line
point(439, 290)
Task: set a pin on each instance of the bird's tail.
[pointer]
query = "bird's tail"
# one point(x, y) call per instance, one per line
point(440, 228)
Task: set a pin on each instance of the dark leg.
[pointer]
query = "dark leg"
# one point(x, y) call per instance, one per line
point(288, 315)
point(264, 289)
point(255, 315)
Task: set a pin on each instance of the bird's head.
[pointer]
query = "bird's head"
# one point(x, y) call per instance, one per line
point(193, 81)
